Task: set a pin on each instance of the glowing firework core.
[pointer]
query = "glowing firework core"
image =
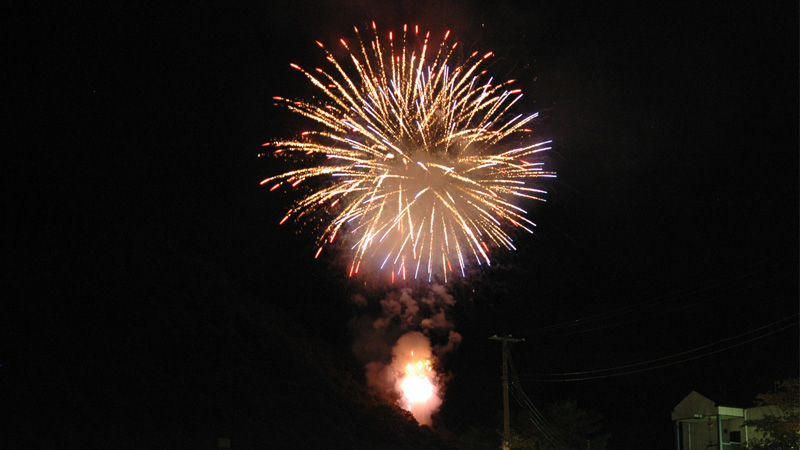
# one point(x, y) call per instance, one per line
point(414, 378)
point(416, 386)
point(423, 160)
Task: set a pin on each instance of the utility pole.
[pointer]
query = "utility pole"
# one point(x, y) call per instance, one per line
point(506, 425)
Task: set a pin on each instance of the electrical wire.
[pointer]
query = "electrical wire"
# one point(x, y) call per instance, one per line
point(571, 376)
point(536, 421)
point(737, 278)
point(660, 313)
point(568, 327)
point(534, 415)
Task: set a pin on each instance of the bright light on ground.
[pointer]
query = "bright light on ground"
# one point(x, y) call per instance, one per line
point(417, 389)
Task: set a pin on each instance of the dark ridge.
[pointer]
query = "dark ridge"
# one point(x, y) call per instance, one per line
point(128, 340)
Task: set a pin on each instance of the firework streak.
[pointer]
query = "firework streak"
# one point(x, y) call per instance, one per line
point(419, 159)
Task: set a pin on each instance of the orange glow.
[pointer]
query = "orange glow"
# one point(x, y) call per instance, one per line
point(414, 376)
point(417, 389)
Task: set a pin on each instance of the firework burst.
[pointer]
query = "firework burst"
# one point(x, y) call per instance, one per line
point(420, 159)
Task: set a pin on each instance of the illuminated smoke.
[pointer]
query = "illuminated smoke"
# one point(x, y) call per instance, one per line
point(402, 363)
point(416, 381)
point(417, 161)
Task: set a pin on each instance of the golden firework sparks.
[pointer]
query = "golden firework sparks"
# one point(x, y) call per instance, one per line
point(422, 159)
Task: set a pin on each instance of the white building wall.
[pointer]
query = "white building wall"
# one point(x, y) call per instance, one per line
point(696, 415)
point(699, 435)
point(703, 434)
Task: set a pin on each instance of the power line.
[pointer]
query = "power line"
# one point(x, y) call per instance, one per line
point(534, 415)
point(571, 376)
point(661, 313)
point(681, 353)
point(506, 341)
point(569, 327)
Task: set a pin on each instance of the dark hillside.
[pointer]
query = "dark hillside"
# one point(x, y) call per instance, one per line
point(130, 341)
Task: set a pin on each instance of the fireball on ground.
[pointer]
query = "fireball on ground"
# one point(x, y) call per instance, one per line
point(416, 385)
point(416, 380)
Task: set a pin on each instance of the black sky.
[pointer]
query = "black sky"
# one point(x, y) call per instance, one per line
point(676, 144)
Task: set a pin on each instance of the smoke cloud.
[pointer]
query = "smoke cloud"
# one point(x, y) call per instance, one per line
point(404, 347)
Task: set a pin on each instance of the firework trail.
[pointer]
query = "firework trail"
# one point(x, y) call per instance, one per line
point(418, 157)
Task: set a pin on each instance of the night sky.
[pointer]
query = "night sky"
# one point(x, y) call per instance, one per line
point(672, 225)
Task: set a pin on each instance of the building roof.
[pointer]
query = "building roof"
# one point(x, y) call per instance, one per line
point(696, 407)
